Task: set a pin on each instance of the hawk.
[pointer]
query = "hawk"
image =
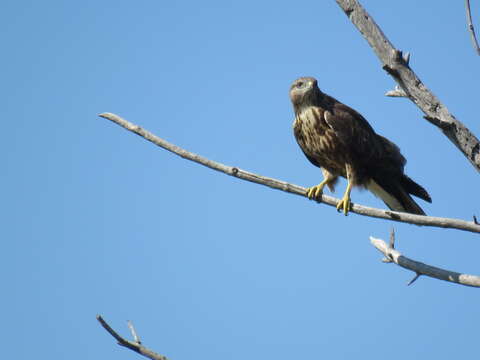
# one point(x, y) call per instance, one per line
point(341, 142)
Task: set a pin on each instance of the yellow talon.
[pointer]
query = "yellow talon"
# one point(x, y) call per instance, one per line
point(315, 192)
point(344, 204)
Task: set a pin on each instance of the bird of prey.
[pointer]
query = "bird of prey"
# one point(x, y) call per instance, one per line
point(341, 142)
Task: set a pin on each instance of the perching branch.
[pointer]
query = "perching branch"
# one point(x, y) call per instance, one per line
point(392, 255)
point(395, 64)
point(470, 27)
point(135, 345)
point(291, 188)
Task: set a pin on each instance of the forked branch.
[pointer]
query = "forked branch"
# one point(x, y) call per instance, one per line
point(292, 188)
point(135, 345)
point(392, 255)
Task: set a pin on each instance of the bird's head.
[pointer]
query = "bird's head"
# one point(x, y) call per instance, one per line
point(304, 92)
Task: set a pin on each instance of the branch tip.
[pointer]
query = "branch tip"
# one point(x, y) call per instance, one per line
point(471, 28)
point(109, 329)
point(134, 333)
point(417, 275)
point(392, 238)
point(396, 92)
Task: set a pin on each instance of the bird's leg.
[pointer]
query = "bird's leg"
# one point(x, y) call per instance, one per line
point(316, 191)
point(345, 203)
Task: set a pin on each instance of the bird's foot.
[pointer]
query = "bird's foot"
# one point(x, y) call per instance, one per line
point(315, 192)
point(345, 204)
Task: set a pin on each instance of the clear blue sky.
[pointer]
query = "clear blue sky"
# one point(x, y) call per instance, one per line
point(98, 221)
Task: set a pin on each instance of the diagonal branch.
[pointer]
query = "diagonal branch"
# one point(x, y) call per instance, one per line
point(292, 188)
point(471, 28)
point(395, 64)
point(132, 345)
point(423, 269)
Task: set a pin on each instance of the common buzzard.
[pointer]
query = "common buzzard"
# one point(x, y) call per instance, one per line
point(341, 142)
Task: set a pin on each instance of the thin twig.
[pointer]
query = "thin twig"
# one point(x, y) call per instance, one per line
point(471, 28)
point(391, 244)
point(415, 278)
point(396, 65)
point(396, 92)
point(292, 188)
point(424, 269)
point(392, 238)
point(132, 345)
point(110, 330)
point(134, 332)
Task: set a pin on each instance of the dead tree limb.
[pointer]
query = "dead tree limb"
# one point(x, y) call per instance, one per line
point(135, 345)
point(471, 29)
point(419, 268)
point(458, 224)
point(396, 65)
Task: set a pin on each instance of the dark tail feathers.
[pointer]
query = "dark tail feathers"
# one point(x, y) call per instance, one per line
point(396, 195)
point(413, 188)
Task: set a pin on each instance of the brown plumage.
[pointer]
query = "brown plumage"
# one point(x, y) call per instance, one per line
point(341, 142)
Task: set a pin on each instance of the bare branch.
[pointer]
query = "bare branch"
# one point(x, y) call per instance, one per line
point(394, 63)
point(424, 269)
point(291, 188)
point(470, 27)
point(132, 345)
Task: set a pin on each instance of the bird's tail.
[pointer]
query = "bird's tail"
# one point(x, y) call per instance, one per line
point(396, 196)
point(413, 188)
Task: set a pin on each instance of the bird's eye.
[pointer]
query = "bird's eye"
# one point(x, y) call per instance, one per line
point(300, 84)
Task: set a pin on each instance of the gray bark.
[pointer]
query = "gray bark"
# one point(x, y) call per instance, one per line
point(397, 66)
point(135, 345)
point(420, 268)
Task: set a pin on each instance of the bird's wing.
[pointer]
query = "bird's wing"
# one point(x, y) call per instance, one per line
point(354, 132)
point(379, 159)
